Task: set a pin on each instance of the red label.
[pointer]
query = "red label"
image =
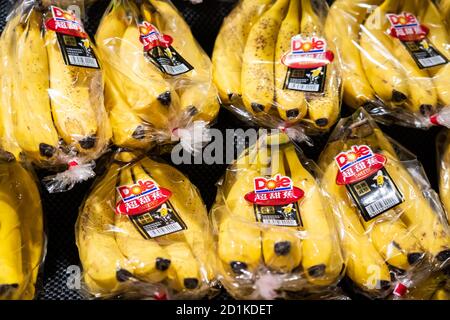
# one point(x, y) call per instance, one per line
point(151, 37)
point(307, 53)
point(406, 27)
point(65, 22)
point(357, 164)
point(141, 197)
point(278, 190)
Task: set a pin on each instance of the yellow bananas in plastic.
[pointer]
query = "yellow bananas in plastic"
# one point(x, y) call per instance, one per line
point(295, 241)
point(151, 94)
point(444, 171)
point(55, 108)
point(167, 243)
point(252, 71)
point(385, 234)
point(21, 232)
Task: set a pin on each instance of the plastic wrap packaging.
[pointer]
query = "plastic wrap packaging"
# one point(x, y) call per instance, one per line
point(436, 287)
point(143, 232)
point(443, 148)
point(272, 66)
point(393, 228)
point(52, 92)
point(274, 231)
point(22, 235)
point(158, 79)
point(394, 57)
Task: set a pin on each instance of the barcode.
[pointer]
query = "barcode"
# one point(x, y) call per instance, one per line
point(175, 70)
point(432, 61)
point(83, 61)
point(382, 205)
point(276, 222)
point(295, 85)
point(161, 231)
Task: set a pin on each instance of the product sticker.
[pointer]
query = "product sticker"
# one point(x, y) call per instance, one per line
point(413, 35)
point(149, 209)
point(158, 49)
point(307, 64)
point(367, 180)
point(72, 39)
point(275, 201)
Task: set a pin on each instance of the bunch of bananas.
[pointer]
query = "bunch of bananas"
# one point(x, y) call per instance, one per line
point(403, 241)
point(377, 68)
point(115, 254)
point(444, 171)
point(145, 104)
point(249, 249)
point(248, 68)
point(21, 232)
point(48, 108)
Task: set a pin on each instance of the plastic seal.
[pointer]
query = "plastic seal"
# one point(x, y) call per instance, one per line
point(66, 180)
point(193, 137)
point(442, 118)
point(267, 286)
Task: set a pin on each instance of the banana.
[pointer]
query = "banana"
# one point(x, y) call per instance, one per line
point(148, 259)
point(322, 259)
point(342, 32)
point(229, 47)
point(281, 246)
point(105, 267)
point(257, 76)
point(444, 8)
point(365, 265)
point(323, 110)
point(423, 96)
point(198, 95)
point(70, 97)
point(439, 37)
point(34, 131)
point(11, 275)
point(444, 175)
point(291, 104)
point(384, 75)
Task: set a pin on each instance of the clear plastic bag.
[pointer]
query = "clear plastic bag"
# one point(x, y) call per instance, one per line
point(443, 148)
point(22, 234)
point(274, 230)
point(273, 66)
point(158, 79)
point(143, 232)
point(52, 89)
point(393, 228)
point(394, 58)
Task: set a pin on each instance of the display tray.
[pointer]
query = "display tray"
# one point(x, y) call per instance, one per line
point(61, 209)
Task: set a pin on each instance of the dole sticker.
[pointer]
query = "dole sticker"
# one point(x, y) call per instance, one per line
point(141, 197)
point(307, 64)
point(65, 22)
point(367, 180)
point(413, 35)
point(272, 191)
point(159, 50)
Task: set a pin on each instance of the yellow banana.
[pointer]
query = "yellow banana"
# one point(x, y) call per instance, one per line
point(322, 259)
point(34, 131)
point(291, 104)
point(444, 175)
point(384, 75)
point(257, 78)
point(323, 109)
point(342, 32)
point(230, 44)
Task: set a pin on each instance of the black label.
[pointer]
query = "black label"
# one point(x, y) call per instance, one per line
point(285, 215)
point(158, 222)
point(424, 53)
point(77, 51)
point(375, 194)
point(168, 60)
point(306, 80)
